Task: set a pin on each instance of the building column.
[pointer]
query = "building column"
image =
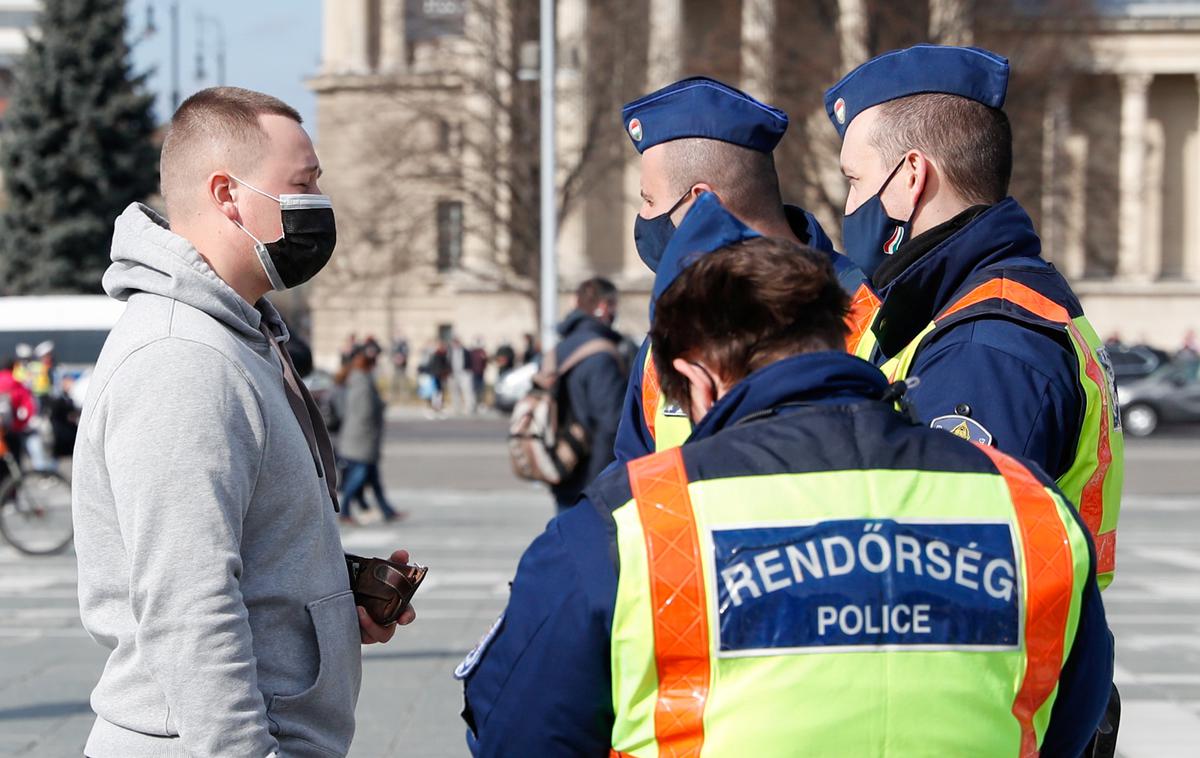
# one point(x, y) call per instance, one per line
point(663, 63)
point(571, 23)
point(393, 47)
point(1134, 97)
point(1075, 210)
point(852, 33)
point(758, 48)
point(1191, 253)
point(335, 42)
point(358, 13)
point(950, 22)
point(665, 55)
point(1055, 125)
point(1152, 202)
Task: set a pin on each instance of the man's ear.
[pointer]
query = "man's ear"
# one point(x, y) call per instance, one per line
point(221, 193)
point(702, 393)
point(918, 176)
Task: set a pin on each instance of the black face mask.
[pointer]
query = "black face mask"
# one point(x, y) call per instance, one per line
point(309, 236)
point(651, 235)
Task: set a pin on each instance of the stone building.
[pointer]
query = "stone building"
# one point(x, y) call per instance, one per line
point(423, 104)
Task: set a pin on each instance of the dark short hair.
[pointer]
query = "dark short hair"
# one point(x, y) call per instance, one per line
point(971, 142)
point(745, 306)
point(594, 291)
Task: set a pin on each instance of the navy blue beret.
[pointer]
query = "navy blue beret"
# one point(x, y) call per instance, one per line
point(703, 107)
point(707, 227)
point(970, 72)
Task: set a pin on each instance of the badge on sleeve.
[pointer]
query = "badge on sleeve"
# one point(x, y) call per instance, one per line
point(464, 669)
point(965, 428)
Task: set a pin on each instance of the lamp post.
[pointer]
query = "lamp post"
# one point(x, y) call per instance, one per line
point(151, 30)
point(204, 20)
point(549, 210)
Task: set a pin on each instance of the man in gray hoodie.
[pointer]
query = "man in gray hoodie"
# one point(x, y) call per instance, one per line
point(210, 563)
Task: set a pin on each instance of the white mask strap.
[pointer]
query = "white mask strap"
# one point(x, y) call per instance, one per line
point(253, 188)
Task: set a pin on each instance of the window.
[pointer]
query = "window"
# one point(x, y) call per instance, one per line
point(450, 235)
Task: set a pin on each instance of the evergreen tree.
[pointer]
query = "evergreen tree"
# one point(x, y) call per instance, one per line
point(77, 149)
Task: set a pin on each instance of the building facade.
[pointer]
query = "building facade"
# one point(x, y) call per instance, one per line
point(427, 133)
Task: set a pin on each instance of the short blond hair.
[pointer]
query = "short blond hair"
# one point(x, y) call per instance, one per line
point(218, 123)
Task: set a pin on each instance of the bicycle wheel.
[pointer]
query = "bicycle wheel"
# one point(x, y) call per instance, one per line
point(35, 512)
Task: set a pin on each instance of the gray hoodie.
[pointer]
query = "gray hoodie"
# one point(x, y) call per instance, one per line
point(210, 563)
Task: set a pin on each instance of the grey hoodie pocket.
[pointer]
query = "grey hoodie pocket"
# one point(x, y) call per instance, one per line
point(323, 715)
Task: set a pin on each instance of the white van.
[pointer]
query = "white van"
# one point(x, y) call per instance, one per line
point(76, 324)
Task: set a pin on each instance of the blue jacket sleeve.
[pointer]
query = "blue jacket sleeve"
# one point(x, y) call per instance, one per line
point(541, 685)
point(1019, 383)
point(633, 436)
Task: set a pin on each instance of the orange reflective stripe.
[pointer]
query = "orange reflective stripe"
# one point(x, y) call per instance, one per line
point(863, 307)
point(650, 393)
point(677, 597)
point(1091, 500)
point(1014, 292)
point(1049, 576)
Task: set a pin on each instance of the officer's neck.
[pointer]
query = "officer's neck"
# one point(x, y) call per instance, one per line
point(775, 226)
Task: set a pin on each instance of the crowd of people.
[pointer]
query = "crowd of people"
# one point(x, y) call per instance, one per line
point(38, 411)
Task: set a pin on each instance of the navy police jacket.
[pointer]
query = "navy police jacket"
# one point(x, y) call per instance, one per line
point(1019, 382)
point(633, 435)
point(539, 682)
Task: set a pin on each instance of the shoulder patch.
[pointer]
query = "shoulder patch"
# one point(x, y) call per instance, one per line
point(964, 428)
point(468, 664)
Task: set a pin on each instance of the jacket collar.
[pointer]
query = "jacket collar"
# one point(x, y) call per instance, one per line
point(578, 321)
point(824, 378)
point(913, 298)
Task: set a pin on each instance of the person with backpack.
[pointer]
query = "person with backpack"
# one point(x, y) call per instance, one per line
point(590, 392)
point(562, 431)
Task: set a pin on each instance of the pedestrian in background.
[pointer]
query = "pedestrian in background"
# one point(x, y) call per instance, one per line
point(505, 359)
point(438, 369)
point(399, 385)
point(462, 386)
point(360, 443)
point(477, 358)
point(17, 407)
point(532, 351)
point(591, 391)
point(210, 563)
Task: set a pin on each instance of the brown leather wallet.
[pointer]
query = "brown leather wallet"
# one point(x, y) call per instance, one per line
point(382, 587)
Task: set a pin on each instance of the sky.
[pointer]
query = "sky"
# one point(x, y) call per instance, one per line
point(270, 45)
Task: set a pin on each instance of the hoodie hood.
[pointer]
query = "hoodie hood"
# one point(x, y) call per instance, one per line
point(148, 257)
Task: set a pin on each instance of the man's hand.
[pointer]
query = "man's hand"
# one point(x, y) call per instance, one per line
point(368, 630)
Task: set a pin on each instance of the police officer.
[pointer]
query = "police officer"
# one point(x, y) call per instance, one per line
point(695, 136)
point(811, 571)
point(996, 337)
